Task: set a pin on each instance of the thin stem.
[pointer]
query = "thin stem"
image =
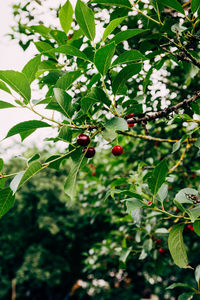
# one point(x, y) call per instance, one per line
point(54, 121)
point(106, 91)
point(181, 158)
point(146, 16)
point(44, 165)
point(151, 138)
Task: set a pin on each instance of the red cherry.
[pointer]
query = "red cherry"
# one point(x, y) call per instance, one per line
point(149, 203)
point(158, 242)
point(161, 250)
point(190, 227)
point(93, 174)
point(129, 116)
point(83, 140)
point(90, 152)
point(131, 125)
point(194, 175)
point(117, 150)
point(70, 37)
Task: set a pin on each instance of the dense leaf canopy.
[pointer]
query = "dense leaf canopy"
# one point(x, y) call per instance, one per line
point(133, 81)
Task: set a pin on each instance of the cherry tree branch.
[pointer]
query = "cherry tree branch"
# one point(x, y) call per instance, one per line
point(166, 111)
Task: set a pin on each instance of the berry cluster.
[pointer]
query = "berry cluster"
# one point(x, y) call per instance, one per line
point(117, 150)
point(129, 119)
point(84, 140)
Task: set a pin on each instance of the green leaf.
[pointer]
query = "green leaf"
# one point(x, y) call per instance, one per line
point(85, 19)
point(47, 65)
point(1, 164)
point(182, 285)
point(181, 196)
point(158, 177)
point(18, 82)
point(148, 245)
point(128, 56)
point(116, 124)
point(15, 182)
point(96, 95)
point(111, 26)
point(44, 47)
point(68, 50)
point(65, 134)
point(124, 254)
point(66, 16)
point(4, 87)
point(25, 134)
point(33, 158)
point(103, 58)
point(136, 215)
point(143, 255)
point(109, 135)
point(65, 101)
point(125, 74)
point(195, 5)
point(161, 231)
point(4, 104)
point(41, 29)
point(194, 213)
point(163, 192)
point(27, 125)
point(120, 3)
point(6, 201)
point(197, 273)
point(196, 227)
point(67, 79)
point(31, 68)
point(132, 204)
point(95, 78)
point(173, 4)
point(177, 247)
point(176, 146)
point(186, 296)
point(57, 160)
point(70, 184)
point(127, 34)
point(34, 168)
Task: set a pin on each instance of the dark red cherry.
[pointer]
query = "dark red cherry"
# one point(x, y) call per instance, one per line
point(90, 152)
point(190, 227)
point(158, 241)
point(83, 140)
point(129, 116)
point(117, 150)
point(131, 125)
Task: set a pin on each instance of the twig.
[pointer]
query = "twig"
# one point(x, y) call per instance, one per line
point(165, 112)
point(151, 138)
point(181, 158)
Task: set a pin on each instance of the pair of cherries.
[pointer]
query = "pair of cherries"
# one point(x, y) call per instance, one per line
point(117, 150)
point(84, 140)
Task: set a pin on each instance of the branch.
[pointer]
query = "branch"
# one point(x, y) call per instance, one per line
point(152, 138)
point(165, 112)
point(185, 55)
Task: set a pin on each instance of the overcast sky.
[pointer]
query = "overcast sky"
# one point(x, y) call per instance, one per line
point(12, 57)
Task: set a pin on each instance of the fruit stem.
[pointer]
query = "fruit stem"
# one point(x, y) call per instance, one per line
point(106, 91)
